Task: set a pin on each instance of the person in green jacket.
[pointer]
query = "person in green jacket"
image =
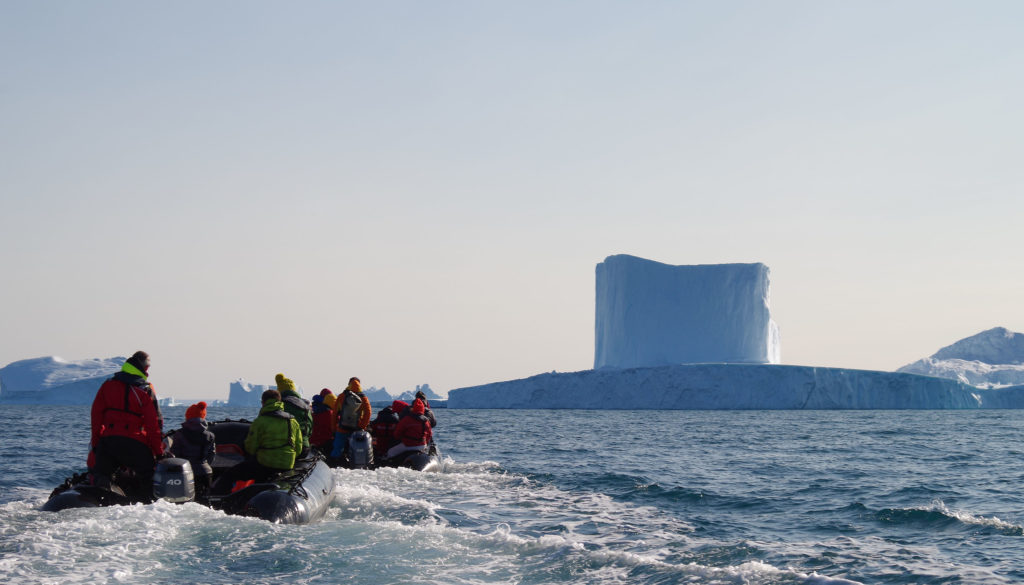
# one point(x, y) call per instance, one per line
point(273, 442)
point(296, 406)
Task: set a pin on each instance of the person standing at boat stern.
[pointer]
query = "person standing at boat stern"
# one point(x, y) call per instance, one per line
point(273, 443)
point(127, 427)
point(296, 406)
point(351, 413)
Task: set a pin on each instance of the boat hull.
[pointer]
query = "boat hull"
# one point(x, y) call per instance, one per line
point(298, 496)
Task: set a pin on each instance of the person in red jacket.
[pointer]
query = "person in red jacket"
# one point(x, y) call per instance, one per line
point(323, 433)
point(127, 427)
point(413, 431)
point(383, 429)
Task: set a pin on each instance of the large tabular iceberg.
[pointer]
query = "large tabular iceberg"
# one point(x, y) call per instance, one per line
point(654, 314)
point(733, 387)
point(656, 323)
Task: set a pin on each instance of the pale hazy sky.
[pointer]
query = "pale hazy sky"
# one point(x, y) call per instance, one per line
point(419, 191)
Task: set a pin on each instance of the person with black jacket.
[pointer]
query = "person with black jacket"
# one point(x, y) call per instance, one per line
point(195, 442)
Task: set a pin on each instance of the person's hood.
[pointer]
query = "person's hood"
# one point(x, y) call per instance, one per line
point(271, 406)
point(131, 369)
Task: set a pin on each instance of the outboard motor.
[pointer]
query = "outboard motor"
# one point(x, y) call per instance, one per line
point(173, 480)
point(360, 450)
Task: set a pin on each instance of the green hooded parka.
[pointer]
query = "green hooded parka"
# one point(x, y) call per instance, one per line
point(274, 437)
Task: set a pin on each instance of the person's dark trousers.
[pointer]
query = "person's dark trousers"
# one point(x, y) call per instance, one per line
point(114, 452)
point(202, 480)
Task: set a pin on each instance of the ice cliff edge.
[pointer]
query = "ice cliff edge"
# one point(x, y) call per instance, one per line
point(733, 387)
point(651, 314)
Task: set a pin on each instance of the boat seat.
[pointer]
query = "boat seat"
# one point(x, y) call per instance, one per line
point(228, 455)
point(228, 448)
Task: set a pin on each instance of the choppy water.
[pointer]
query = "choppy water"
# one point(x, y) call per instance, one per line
point(594, 497)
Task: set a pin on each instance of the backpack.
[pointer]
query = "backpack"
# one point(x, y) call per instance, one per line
point(348, 412)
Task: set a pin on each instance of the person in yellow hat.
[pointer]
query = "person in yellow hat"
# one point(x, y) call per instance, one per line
point(272, 445)
point(296, 406)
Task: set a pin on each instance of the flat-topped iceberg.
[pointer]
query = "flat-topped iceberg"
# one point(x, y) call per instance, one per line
point(702, 337)
point(653, 314)
point(733, 387)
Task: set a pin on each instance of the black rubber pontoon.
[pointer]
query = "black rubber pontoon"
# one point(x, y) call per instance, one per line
point(298, 496)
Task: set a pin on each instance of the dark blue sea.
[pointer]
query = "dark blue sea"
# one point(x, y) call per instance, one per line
point(588, 497)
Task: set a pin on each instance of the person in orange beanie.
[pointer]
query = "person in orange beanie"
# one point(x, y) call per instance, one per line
point(195, 442)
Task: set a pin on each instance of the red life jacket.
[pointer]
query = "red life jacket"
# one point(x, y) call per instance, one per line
point(413, 430)
point(126, 407)
point(383, 429)
point(321, 428)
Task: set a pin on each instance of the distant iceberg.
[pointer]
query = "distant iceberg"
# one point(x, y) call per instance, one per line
point(52, 380)
point(410, 395)
point(242, 393)
point(376, 395)
point(991, 359)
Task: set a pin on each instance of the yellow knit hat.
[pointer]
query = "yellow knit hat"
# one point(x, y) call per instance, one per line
point(284, 383)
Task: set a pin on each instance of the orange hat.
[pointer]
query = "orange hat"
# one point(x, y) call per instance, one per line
point(197, 410)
